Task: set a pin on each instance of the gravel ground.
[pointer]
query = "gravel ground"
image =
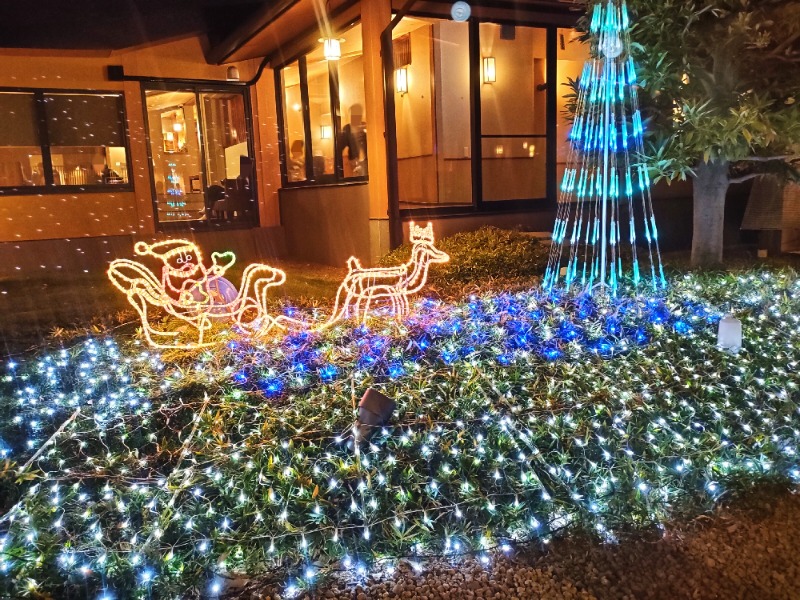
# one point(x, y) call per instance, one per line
point(747, 550)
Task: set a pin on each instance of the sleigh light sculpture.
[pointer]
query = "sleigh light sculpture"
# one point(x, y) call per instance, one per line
point(192, 292)
point(199, 295)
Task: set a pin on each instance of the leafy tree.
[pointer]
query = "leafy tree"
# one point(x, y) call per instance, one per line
point(720, 86)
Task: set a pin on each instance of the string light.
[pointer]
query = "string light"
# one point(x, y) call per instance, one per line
point(362, 287)
point(600, 179)
point(113, 492)
point(193, 293)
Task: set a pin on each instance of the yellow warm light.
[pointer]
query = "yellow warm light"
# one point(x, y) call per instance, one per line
point(326, 132)
point(489, 70)
point(190, 291)
point(401, 80)
point(362, 287)
point(331, 48)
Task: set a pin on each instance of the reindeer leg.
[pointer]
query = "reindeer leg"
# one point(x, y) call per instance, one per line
point(365, 314)
point(402, 310)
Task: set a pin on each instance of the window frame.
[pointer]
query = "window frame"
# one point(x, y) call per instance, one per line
point(478, 205)
point(198, 87)
point(49, 188)
point(330, 179)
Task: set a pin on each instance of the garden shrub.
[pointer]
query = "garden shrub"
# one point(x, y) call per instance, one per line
point(488, 253)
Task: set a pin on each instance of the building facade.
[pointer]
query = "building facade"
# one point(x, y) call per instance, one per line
point(313, 131)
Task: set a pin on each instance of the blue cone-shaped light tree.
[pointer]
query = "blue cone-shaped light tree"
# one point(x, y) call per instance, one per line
point(604, 201)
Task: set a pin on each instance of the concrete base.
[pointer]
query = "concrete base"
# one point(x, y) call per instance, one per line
point(47, 258)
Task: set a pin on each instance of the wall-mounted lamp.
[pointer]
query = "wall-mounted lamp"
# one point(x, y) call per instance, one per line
point(331, 48)
point(401, 80)
point(232, 74)
point(325, 132)
point(499, 150)
point(489, 70)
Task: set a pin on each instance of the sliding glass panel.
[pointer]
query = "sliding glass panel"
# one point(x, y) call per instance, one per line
point(87, 136)
point(322, 123)
point(20, 151)
point(513, 112)
point(177, 159)
point(432, 110)
point(294, 132)
point(353, 136)
point(229, 166)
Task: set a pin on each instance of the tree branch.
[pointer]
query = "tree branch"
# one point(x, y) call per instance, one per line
point(743, 178)
point(784, 45)
point(769, 158)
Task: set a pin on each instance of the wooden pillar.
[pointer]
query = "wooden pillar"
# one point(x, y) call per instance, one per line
point(375, 16)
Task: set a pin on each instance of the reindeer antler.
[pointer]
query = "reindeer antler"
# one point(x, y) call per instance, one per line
point(423, 234)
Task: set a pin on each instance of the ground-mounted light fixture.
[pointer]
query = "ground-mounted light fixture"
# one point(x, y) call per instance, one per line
point(374, 410)
point(331, 48)
point(489, 70)
point(729, 334)
point(401, 80)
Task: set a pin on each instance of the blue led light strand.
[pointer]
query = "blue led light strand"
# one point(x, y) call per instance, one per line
point(604, 201)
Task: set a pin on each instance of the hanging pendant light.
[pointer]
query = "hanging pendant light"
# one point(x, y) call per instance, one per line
point(331, 48)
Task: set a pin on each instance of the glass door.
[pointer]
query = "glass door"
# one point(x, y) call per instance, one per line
point(202, 166)
point(229, 166)
point(513, 112)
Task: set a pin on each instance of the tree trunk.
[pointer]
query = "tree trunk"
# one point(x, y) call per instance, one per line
point(710, 188)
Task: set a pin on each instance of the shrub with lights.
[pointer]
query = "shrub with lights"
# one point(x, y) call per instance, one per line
point(518, 416)
point(131, 473)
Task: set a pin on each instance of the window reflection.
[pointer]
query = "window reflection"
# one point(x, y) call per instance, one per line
point(20, 154)
point(335, 147)
point(293, 127)
point(86, 135)
point(513, 112)
point(202, 168)
point(434, 146)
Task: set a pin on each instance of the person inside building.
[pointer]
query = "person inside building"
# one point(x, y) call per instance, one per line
point(354, 143)
point(296, 170)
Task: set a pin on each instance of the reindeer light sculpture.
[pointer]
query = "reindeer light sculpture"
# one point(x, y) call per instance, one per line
point(363, 287)
point(190, 291)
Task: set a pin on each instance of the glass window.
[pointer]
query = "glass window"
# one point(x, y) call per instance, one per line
point(202, 168)
point(86, 139)
point(293, 128)
point(326, 99)
point(353, 135)
point(20, 152)
point(321, 118)
point(572, 54)
point(175, 150)
point(432, 111)
point(513, 112)
point(62, 139)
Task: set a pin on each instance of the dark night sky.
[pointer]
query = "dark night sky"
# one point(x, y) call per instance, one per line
point(114, 24)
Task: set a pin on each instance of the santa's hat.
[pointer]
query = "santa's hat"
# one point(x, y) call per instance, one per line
point(166, 249)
